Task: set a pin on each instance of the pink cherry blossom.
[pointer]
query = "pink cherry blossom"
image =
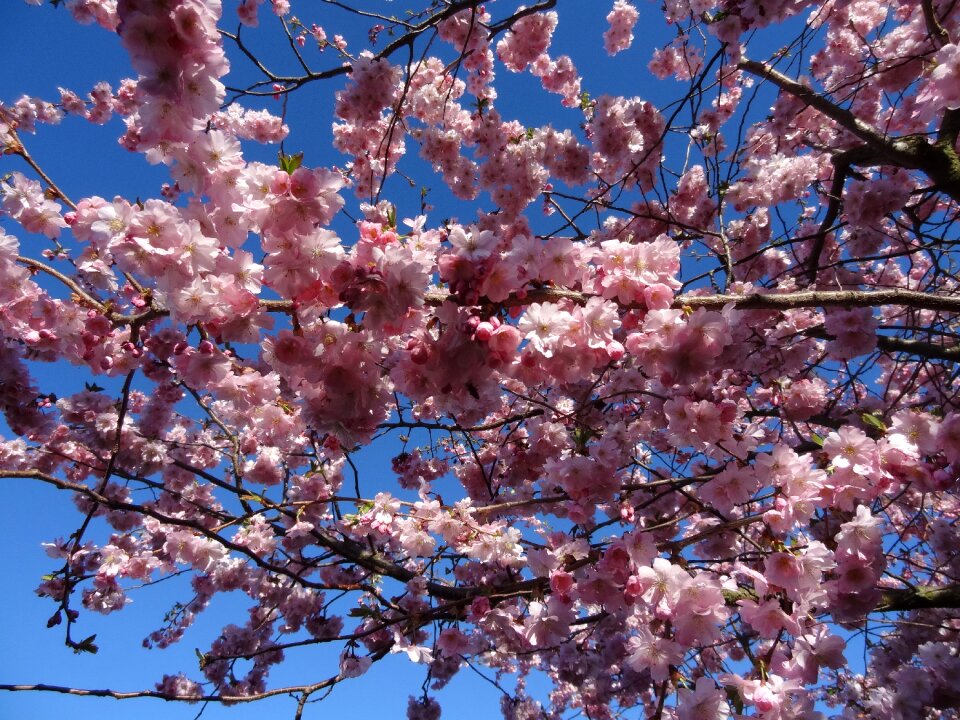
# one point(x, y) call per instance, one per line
point(648, 397)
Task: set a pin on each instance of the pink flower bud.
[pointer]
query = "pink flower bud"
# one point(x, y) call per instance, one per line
point(483, 332)
point(764, 699)
point(478, 608)
point(615, 350)
point(420, 354)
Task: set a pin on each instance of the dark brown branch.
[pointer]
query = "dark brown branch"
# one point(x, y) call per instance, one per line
point(920, 598)
point(843, 117)
point(841, 168)
point(939, 161)
point(459, 428)
point(938, 33)
point(891, 600)
point(507, 23)
point(81, 294)
point(116, 695)
point(19, 149)
point(928, 350)
point(291, 83)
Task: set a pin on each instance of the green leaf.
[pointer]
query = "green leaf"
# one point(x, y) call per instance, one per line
point(816, 439)
point(581, 436)
point(873, 421)
point(289, 163)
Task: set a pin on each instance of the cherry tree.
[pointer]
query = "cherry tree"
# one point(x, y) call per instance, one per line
point(673, 392)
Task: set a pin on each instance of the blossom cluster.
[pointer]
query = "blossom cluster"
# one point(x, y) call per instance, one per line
point(668, 454)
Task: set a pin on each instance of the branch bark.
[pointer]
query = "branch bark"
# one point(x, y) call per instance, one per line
point(939, 160)
point(891, 600)
point(920, 598)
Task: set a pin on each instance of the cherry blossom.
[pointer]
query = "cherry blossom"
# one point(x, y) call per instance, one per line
point(664, 380)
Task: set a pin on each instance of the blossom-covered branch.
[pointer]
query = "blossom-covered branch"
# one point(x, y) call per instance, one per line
point(668, 387)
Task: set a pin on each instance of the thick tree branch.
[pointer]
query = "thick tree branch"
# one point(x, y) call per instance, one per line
point(824, 298)
point(938, 160)
point(891, 600)
point(843, 117)
point(920, 598)
point(757, 301)
point(753, 301)
point(937, 32)
point(887, 343)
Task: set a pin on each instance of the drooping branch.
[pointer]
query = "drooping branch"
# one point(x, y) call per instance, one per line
point(841, 168)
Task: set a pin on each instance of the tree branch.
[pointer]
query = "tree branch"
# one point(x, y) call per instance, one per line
point(920, 598)
point(938, 161)
point(843, 117)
